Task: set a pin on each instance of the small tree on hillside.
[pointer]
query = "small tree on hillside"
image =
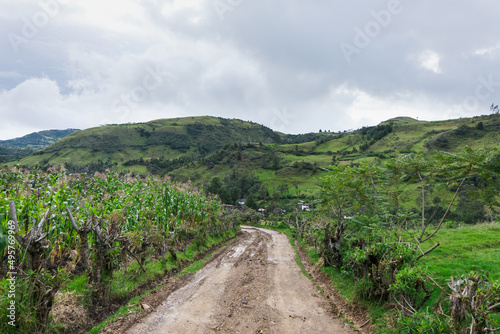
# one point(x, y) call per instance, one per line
point(251, 202)
point(494, 109)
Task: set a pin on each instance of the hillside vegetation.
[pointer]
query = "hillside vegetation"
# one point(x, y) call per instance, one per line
point(391, 251)
point(201, 148)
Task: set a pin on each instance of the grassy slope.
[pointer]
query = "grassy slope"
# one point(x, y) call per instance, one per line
point(121, 143)
point(462, 250)
point(408, 135)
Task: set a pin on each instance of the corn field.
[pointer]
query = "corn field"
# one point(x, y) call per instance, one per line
point(54, 224)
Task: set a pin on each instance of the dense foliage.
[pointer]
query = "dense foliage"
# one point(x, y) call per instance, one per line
point(371, 237)
point(13, 153)
point(234, 187)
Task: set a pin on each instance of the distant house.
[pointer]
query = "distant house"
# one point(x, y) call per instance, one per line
point(306, 207)
point(280, 211)
point(241, 201)
point(262, 210)
point(300, 203)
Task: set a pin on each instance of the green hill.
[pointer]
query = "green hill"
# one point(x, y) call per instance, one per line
point(168, 139)
point(200, 149)
point(298, 165)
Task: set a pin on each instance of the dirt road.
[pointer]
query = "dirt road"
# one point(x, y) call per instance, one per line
point(255, 287)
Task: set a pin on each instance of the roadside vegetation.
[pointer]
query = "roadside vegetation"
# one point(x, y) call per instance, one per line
point(433, 279)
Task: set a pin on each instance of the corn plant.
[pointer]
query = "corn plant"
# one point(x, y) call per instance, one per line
point(106, 219)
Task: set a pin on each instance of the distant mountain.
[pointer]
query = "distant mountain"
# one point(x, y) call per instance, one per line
point(17, 148)
point(37, 140)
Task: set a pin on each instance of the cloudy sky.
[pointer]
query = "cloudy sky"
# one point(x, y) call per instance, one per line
point(295, 66)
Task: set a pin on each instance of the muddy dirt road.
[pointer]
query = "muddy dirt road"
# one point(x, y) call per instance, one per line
point(255, 286)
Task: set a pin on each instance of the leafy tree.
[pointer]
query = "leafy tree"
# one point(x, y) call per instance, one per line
point(456, 168)
point(470, 210)
point(215, 186)
point(283, 189)
point(334, 160)
point(225, 196)
point(462, 130)
point(233, 194)
point(272, 160)
point(494, 109)
point(234, 187)
point(363, 202)
point(252, 203)
point(345, 191)
point(263, 193)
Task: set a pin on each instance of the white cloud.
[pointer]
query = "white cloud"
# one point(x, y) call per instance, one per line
point(365, 109)
point(429, 60)
point(119, 16)
point(172, 7)
point(27, 103)
point(263, 58)
point(488, 50)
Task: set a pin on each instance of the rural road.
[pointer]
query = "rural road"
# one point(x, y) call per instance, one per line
point(254, 286)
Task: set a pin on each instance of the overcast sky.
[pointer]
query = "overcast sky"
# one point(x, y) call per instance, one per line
point(295, 66)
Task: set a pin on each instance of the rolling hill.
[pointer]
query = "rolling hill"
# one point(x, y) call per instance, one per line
point(297, 165)
point(200, 149)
